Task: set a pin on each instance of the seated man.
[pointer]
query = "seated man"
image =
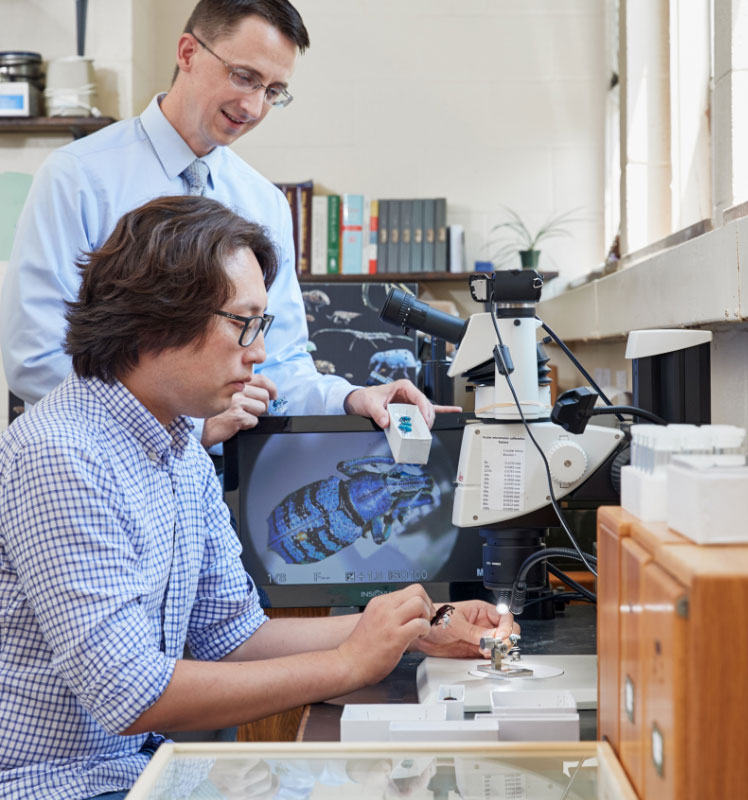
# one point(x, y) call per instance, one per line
point(116, 547)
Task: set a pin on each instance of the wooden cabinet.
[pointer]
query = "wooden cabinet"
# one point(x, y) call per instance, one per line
point(677, 654)
point(631, 687)
point(663, 668)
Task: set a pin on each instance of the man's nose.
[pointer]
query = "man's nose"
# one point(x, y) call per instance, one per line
point(253, 103)
point(255, 353)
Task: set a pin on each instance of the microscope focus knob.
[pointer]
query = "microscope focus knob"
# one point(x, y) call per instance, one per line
point(568, 462)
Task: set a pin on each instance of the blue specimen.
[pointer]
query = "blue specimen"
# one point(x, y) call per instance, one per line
point(323, 517)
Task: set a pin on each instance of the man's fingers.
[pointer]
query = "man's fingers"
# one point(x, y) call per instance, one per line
point(264, 382)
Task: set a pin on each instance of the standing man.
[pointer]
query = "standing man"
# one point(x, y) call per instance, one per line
point(116, 547)
point(234, 65)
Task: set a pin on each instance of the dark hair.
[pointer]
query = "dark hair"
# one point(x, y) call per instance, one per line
point(156, 281)
point(215, 19)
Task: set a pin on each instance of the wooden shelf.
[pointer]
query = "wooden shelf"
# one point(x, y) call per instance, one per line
point(401, 277)
point(75, 126)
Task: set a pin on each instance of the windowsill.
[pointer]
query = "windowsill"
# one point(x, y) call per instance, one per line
point(685, 280)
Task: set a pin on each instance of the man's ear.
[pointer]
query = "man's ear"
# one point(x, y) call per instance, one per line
point(187, 47)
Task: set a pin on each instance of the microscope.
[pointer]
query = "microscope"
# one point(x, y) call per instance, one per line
point(518, 457)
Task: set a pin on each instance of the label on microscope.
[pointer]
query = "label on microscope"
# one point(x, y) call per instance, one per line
point(502, 472)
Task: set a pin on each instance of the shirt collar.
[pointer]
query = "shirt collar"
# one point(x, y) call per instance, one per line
point(172, 150)
point(131, 415)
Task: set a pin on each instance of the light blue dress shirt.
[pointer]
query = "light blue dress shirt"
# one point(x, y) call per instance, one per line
point(78, 195)
point(115, 549)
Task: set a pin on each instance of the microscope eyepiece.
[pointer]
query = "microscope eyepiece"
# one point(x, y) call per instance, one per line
point(402, 309)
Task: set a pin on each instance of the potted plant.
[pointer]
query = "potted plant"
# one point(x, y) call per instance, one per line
point(513, 236)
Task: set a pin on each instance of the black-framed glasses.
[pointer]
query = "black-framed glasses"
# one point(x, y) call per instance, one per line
point(245, 81)
point(251, 326)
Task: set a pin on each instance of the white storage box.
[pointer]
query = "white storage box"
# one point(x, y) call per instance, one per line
point(371, 723)
point(535, 703)
point(644, 494)
point(538, 728)
point(480, 729)
point(408, 434)
point(708, 502)
point(453, 699)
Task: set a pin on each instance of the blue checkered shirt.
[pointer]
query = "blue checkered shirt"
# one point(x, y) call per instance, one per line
point(115, 549)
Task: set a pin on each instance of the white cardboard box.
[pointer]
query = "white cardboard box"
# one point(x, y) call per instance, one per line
point(708, 505)
point(371, 722)
point(480, 729)
point(541, 702)
point(408, 446)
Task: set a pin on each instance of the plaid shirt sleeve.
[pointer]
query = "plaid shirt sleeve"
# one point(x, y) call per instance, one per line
point(227, 609)
point(65, 533)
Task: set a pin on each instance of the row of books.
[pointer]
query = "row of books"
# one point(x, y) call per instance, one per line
point(351, 235)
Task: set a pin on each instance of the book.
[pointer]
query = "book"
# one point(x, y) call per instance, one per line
point(406, 223)
point(352, 234)
point(440, 234)
point(456, 238)
point(429, 212)
point(304, 214)
point(373, 236)
point(383, 224)
point(393, 244)
point(333, 234)
point(319, 235)
point(416, 239)
point(289, 190)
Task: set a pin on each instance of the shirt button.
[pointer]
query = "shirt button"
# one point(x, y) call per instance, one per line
point(154, 456)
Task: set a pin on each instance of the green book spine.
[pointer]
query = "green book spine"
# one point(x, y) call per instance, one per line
point(333, 234)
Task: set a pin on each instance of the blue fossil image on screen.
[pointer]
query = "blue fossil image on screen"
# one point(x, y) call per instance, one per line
point(336, 508)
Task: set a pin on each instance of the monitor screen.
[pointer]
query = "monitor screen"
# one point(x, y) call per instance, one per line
point(326, 517)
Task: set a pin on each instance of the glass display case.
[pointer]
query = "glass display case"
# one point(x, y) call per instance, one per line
point(503, 771)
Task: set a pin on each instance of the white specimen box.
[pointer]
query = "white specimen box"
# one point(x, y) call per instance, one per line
point(706, 502)
point(485, 729)
point(453, 698)
point(644, 494)
point(535, 715)
point(542, 702)
point(408, 446)
point(371, 722)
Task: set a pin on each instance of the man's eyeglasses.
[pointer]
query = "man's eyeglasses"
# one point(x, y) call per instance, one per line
point(245, 81)
point(251, 326)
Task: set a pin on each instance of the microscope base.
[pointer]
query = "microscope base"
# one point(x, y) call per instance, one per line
point(579, 677)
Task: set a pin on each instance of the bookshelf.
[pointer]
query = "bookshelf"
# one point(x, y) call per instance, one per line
point(74, 126)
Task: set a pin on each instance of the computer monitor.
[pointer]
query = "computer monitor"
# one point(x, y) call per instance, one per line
point(326, 517)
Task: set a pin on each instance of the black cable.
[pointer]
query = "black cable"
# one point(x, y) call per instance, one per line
point(577, 364)
point(633, 410)
point(545, 554)
point(552, 495)
point(565, 596)
point(571, 583)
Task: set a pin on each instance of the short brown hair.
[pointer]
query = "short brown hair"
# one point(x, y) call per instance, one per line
point(215, 19)
point(156, 281)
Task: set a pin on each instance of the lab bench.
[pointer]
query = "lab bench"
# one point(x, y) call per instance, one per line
point(569, 633)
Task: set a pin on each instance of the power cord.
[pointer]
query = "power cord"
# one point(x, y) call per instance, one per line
point(500, 357)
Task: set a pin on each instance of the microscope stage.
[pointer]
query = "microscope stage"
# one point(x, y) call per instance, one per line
point(578, 676)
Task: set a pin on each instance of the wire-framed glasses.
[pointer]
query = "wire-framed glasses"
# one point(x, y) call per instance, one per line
point(251, 326)
point(245, 81)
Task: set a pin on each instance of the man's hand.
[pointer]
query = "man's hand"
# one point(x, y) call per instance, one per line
point(471, 620)
point(372, 401)
point(243, 413)
point(389, 623)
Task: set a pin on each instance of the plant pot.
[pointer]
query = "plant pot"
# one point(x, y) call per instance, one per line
point(529, 258)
